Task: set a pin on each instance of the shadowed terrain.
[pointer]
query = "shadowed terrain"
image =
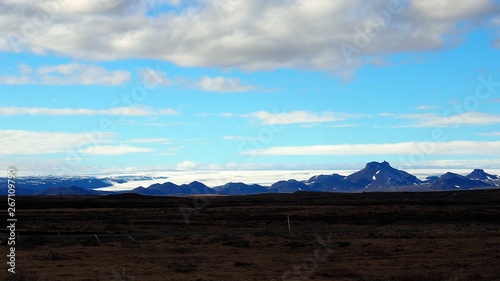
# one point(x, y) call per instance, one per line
point(334, 236)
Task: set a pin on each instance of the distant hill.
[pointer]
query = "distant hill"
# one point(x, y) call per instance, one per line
point(289, 186)
point(72, 190)
point(240, 188)
point(480, 174)
point(451, 181)
point(375, 176)
point(43, 182)
point(172, 189)
point(331, 183)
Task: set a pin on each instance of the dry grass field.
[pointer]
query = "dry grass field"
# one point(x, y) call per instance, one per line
point(358, 237)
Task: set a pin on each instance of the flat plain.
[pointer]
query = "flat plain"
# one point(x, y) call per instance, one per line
point(299, 236)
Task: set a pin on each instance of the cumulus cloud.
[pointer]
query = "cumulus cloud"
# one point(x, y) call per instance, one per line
point(241, 34)
point(67, 74)
point(117, 111)
point(402, 148)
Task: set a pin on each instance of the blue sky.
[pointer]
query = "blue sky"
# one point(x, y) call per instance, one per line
point(119, 87)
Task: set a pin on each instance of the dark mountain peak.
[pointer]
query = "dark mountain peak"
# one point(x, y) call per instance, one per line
point(324, 178)
point(376, 175)
point(240, 188)
point(289, 186)
point(452, 181)
point(378, 165)
point(450, 175)
point(163, 186)
point(431, 179)
point(330, 183)
point(480, 174)
point(196, 184)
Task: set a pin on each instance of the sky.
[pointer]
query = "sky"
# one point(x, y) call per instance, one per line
point(121, 86)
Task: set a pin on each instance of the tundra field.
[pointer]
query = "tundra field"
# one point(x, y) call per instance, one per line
point(298, 236)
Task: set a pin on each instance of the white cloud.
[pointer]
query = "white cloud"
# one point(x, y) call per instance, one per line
point(426, 107)
point(492, 134)
point(19, 142)
point(114, 149)
point(80, 74)
point(239, 138)
point(223, 85)
point(300, 117)
point(117, 111)
point(67, 74)
point(151, 140)
point(446, 10)
point(436, 120)
point(495, 23)
point(153, 78)
point(402, 148)
point(189, 165)
point(241, 34)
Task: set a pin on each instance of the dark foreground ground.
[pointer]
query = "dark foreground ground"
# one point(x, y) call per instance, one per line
point(401, 236)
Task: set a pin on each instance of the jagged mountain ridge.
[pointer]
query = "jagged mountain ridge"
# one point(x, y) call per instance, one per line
point(480, 174)
point(452, 181)
point(374, 176)
point(379, 175)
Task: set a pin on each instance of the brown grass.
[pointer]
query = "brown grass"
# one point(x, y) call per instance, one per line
point(395, 252)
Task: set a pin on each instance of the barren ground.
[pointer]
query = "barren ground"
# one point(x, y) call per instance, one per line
point(376, 236)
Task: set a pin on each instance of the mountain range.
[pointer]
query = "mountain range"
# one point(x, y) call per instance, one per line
point(375, 176)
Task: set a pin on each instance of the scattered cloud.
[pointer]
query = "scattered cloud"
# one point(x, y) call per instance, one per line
point(301, 117)
point(151, 140)
point(153, 78)
point(189, 165)
point(426, 107)
point(492, 134)
point(114, 149)
point(228, 114)
point(260, 35)
point(402, 148)
point(19, 142)
point(67, 74)
point(436, 120)
point(117, 111)
point(223, 85)
point(343, 125)
point(239, 138)
point(495, 24)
